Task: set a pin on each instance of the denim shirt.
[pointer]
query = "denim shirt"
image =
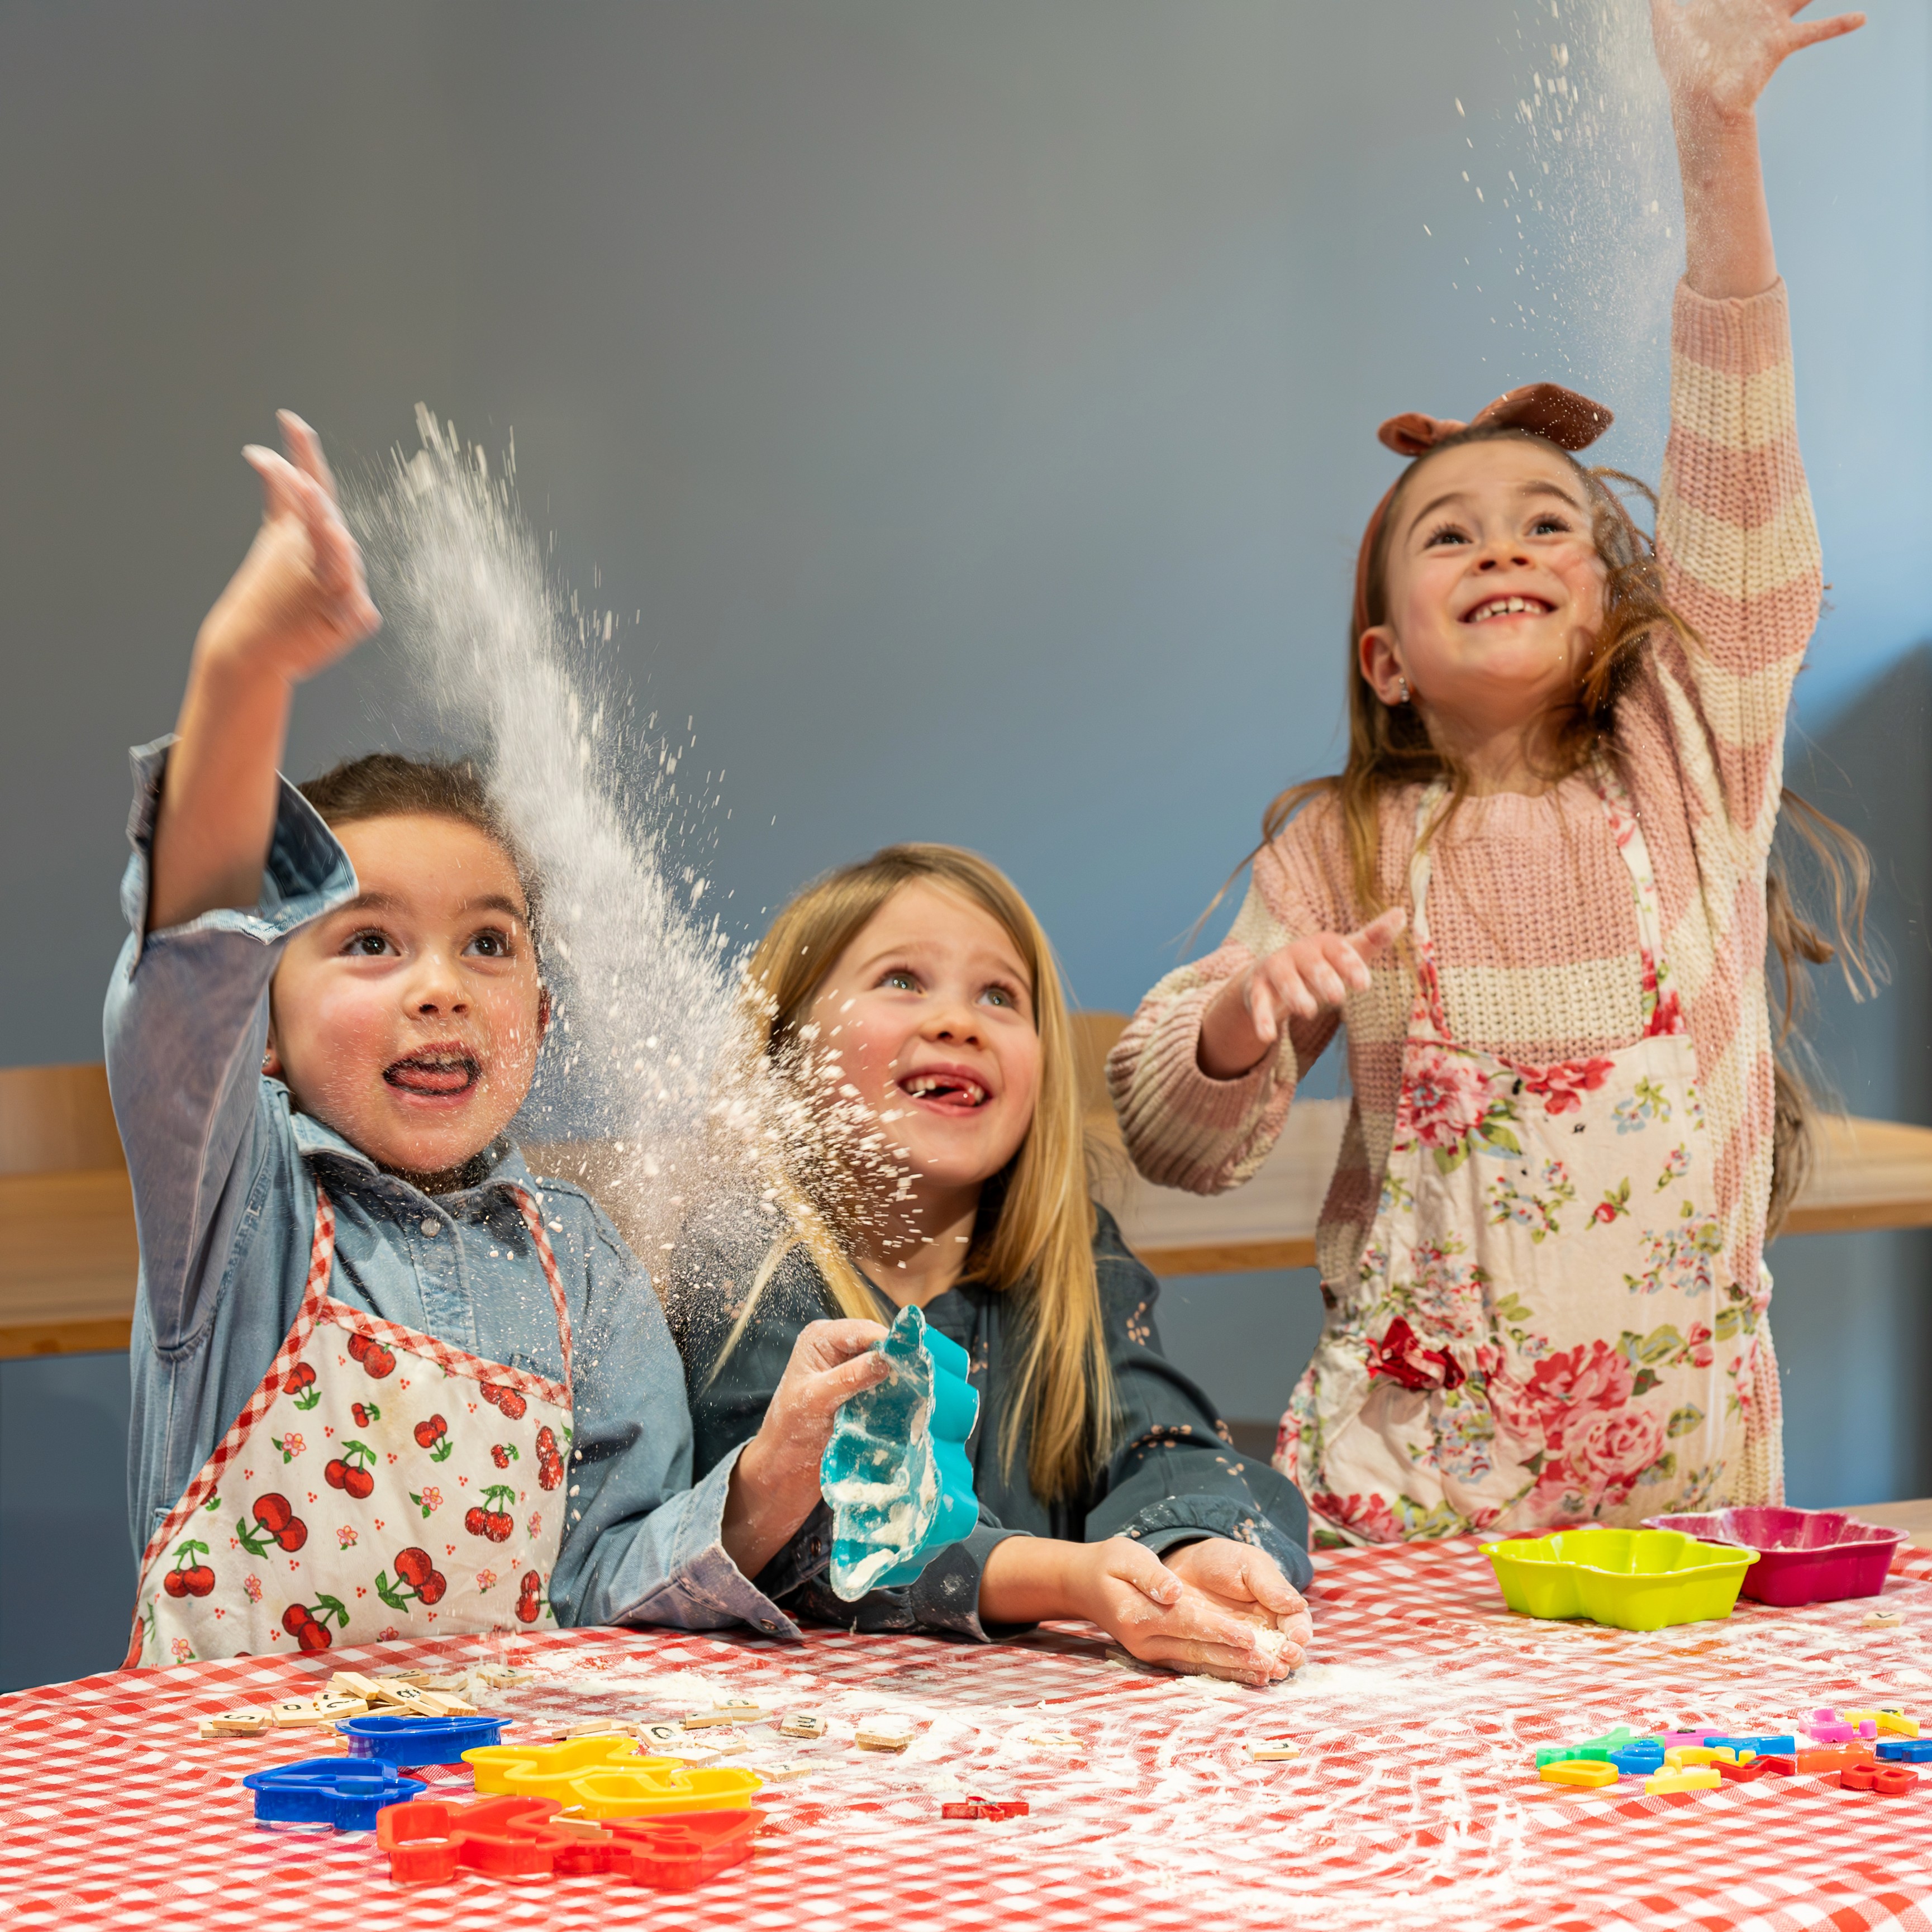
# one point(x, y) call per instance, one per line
point(225, 1171)
point(1170, 1477)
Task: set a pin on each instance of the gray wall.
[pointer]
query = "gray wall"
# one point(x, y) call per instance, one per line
point(975, 400)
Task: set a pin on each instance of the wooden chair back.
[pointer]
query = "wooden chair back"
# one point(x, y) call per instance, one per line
point(55, 1119)
point(1094, 1037)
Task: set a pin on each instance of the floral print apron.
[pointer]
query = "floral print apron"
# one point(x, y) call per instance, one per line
point(378, 1483)
point(1535, 1336)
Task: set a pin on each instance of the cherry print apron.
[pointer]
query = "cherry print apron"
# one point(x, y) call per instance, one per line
point(1536, 1336)
point(379, 1484)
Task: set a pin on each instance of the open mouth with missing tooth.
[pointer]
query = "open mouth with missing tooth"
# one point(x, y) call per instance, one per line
point(435, 1072)
point(1509, 606)
point(948, 1092)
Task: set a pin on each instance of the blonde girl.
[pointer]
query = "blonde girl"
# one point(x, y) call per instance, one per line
point(912, 999)
point(1541, 1251)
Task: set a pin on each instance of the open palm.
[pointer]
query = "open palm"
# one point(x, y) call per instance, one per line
point(1725, 52)
point(299, 595)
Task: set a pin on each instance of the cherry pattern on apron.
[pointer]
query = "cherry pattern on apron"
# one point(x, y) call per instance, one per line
point(1535, 1335)
point(378, 1483)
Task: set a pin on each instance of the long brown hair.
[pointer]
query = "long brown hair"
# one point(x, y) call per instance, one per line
point(1039, 1246)
point(1389, 746)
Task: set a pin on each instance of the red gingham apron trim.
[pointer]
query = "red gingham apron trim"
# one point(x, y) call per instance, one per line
point(533, 1220)
point(207, 1478)
point(318, 1306)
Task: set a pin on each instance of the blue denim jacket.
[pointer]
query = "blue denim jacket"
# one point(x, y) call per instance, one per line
point(225, 1171)
point(1172, 1476)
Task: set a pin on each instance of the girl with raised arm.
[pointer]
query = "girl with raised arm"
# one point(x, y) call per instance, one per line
point(1537, 899)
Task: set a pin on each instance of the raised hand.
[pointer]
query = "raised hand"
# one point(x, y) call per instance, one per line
point(1721, 54)
point(298, 603)
point(1301, 980)
point(1717, 57)
point(299, 600)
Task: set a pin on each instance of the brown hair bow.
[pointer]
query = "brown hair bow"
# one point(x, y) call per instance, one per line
point(1547, 409)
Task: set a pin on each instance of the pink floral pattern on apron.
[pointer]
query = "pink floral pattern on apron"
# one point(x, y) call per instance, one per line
point(378, 1483)
point(1535, 1335)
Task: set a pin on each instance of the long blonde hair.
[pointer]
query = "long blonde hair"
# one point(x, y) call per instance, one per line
point(1039, 1248)
point(1390, 746)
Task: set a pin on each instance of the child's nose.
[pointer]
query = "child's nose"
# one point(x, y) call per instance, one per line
point(437, 988)
point(954, 1023)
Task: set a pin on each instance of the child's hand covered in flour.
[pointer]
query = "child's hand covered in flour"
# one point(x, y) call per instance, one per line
point(1716, 58)
point(774, 1484)
point(1247, 1582)
point(1145, 1607)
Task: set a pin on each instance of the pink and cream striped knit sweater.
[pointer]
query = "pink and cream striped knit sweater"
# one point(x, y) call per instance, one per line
point(1530, 905)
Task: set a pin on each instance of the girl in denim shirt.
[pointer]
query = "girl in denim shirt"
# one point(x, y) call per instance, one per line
point(386, 1384)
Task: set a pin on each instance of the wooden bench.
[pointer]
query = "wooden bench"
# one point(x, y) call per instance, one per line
point(67, 1249)
point(68, 1252)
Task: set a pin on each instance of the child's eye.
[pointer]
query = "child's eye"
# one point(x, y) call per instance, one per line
point(1445, 533)
point(368, 945)
point(1550, 526)
point(491, 945)
point(1001, 996)
point(900, 980)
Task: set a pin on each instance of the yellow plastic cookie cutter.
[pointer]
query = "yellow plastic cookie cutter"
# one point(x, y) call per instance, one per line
point(548, 1771)
point(655, 1788)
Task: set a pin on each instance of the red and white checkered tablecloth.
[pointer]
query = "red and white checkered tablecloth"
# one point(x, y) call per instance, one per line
point(1413, 1801)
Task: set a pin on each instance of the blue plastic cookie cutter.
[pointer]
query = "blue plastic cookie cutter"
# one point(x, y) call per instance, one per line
point(406, 1740)
point(343, 1792)
point(896, 1473)
point(1905, 1751)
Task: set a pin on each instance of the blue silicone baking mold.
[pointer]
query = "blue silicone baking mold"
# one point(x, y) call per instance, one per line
point(895, 1474)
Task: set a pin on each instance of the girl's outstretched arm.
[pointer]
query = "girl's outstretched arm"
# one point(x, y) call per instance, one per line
point(298, 603)
point(1718, 56)
point(1155, 1614)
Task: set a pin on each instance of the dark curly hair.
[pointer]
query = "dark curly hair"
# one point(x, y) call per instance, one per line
point(385, 784)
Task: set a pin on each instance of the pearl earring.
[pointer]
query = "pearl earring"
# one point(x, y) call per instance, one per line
point(1404, 683)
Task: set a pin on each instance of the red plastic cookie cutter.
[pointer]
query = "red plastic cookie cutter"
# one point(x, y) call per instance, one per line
point(503, 1838)
point(1886, 1780)
point(985, 1807)
point(526, 1839)
point(675, 1854)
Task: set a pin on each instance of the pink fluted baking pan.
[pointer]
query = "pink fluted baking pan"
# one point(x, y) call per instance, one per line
point(1805, 1556)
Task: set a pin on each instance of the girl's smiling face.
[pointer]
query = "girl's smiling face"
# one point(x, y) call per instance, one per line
point(930, 1013)
point(409, 1019)
point(1494, 589)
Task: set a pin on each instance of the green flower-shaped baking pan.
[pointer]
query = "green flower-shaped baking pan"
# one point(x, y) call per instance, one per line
point(1633, 1579)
